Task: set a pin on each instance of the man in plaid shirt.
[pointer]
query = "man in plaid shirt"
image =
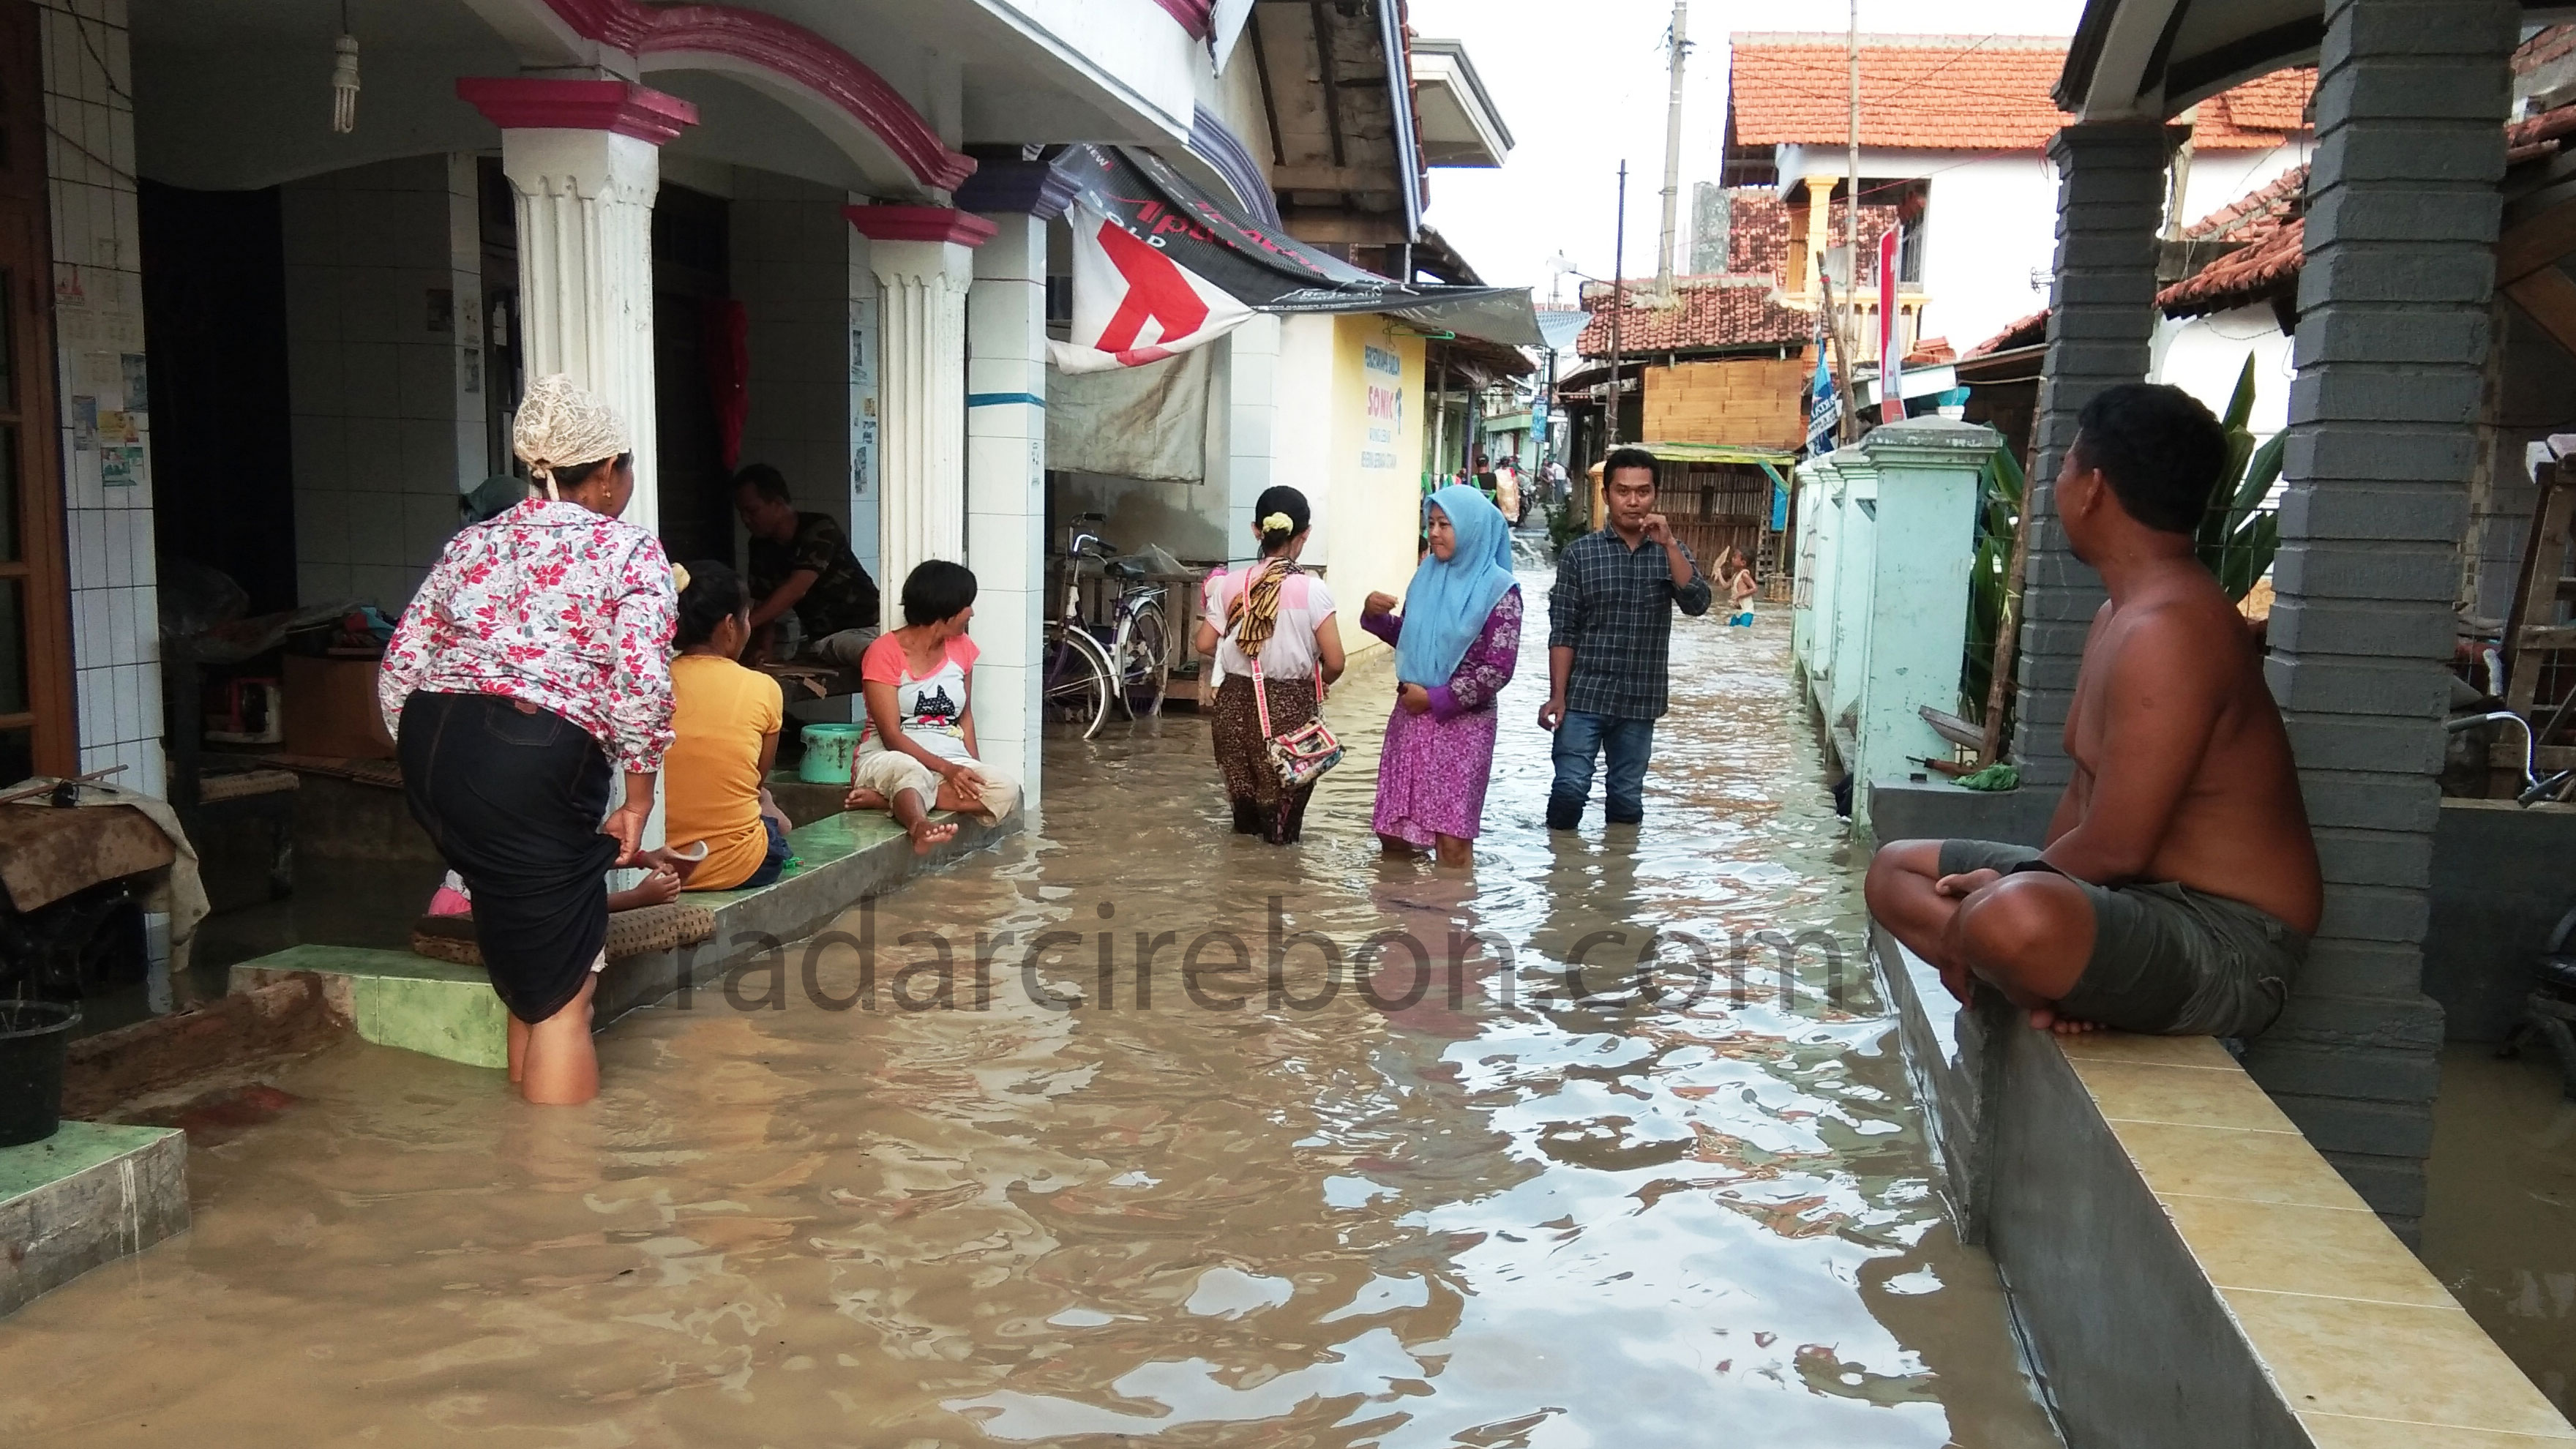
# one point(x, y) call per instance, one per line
point(1610, 627)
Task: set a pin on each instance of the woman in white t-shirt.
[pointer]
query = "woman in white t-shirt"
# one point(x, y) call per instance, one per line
point(918, 754)
point(1278, 619)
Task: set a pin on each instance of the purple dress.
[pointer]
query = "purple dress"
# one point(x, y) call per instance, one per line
point(1431, 778)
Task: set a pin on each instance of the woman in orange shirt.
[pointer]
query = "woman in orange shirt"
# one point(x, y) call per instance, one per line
point(724, 721)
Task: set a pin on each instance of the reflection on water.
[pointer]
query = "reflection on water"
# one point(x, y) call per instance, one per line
point(2500, 1210)
point(1477, 1204)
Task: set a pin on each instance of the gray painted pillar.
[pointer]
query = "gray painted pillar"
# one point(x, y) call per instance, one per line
point(2102, 316)
point(2393, 334)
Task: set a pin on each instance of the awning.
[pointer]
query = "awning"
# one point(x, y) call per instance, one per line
point(1264, 267)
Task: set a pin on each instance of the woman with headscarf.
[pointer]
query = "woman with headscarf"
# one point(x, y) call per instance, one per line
point(1455, 646)
point(1280, 620)
point(532, 666)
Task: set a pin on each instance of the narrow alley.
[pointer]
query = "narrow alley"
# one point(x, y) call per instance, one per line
point(1523, 1219)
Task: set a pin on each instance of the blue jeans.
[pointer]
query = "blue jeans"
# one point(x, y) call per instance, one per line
point(771, 863)
point(1579, 738)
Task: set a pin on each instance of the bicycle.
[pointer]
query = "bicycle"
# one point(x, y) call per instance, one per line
point(1131, 655)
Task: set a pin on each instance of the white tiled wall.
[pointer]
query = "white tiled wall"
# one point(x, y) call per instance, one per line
point(387, 407)
point(98, 319)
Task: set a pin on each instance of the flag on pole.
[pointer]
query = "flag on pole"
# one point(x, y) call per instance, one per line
point(1891, 331)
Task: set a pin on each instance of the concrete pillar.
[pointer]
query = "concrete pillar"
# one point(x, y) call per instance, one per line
point(2101, 324)
point(2392, 339)
point(584, 161)
point(1252, 413)
point(1855, 561)
point(1006, 383)
point(1822, 584)
point(924, 260)
point(1918, 595)
point(1802, 553)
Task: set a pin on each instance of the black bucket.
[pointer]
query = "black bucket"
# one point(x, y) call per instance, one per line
point(32, 1037)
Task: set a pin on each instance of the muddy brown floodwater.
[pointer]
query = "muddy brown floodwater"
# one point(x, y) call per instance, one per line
point(1611, 1211)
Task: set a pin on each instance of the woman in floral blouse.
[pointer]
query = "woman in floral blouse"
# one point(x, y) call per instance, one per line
point(536, 653)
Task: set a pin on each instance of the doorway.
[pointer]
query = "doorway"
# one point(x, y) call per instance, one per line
point(38, 731)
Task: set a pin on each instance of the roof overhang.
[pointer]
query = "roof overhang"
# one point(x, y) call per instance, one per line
point(2152, 58)
point(1338, 97)
point(1460, 124)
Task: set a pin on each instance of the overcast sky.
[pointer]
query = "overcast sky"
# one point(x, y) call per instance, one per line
point(1581, 86)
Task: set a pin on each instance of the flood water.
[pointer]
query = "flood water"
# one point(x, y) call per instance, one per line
point(1512, 1210)
point(2500, 1210)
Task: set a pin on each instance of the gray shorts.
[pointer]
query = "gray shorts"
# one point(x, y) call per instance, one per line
point(2166, 958)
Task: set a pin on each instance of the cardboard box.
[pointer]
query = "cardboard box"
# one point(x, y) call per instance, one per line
point(331, 709)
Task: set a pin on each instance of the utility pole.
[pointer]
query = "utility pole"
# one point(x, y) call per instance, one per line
point(1618, 301)
point(1680, 43)
point(1848, 329)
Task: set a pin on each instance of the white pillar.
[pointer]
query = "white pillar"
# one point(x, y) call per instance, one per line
point(924, 260)
point(1006, 485)
point(584, 162)
point(584, 158)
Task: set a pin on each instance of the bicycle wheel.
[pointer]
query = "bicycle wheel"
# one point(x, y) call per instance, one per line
point(1074, 684)
point(1145, 662)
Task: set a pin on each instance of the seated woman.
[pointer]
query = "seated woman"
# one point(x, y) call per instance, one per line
point(724, 722)
point(918, 754)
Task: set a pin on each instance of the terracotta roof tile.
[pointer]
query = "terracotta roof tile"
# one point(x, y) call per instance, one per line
point(1721, 311)
point(2021, 333)
point(2543, 47)
point(1757, 237)
point(2260, 114)
point(2259, 269)
point(1933, 92)
point(2266, 203)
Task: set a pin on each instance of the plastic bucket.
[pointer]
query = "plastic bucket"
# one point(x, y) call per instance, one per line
point(831, 752)
point(32, 1037)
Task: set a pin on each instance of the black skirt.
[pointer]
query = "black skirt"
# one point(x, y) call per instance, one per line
point(514, 799)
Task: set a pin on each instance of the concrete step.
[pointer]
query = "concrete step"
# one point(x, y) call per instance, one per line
point(397, 999)
point(90, 1194)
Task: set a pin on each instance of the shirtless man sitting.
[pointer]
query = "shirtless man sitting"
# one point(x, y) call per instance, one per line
point(2179, 884)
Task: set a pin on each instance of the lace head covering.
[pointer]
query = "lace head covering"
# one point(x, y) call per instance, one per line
point(561, 425)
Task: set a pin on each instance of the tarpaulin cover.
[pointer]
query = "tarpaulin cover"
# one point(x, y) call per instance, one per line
point(1133, 422)
point(1197, 243)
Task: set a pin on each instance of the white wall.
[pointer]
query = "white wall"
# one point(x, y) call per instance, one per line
point(386, 405)
point(1301, 430)
point(2219, 177)
point(1989, 225)
point(1990, 222)
point(98, 324)
point(2204, 356)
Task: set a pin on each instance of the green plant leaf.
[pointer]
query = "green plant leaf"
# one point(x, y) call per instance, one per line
point(2240, 405)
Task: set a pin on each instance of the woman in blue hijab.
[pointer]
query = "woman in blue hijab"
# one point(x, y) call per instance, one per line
point(1455, 645)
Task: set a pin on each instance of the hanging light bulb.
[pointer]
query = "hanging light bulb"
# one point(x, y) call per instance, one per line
point(344, 79)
